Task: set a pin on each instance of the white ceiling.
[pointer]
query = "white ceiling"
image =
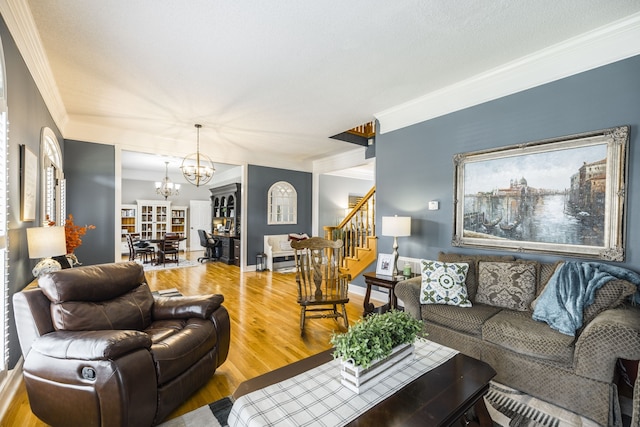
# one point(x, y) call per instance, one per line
point(271, 81)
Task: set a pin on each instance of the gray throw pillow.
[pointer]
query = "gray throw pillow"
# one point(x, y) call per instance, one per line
point(509, 285)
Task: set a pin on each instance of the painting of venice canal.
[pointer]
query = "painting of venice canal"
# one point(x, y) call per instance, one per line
point(550, 197)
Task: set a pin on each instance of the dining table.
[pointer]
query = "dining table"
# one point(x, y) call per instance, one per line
point(160, 257)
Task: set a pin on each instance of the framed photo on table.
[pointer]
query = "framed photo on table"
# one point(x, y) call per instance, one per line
point(385, 265)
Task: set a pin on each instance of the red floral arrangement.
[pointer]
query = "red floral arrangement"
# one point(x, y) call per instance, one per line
point(73, 233)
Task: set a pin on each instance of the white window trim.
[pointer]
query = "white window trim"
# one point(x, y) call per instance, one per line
point(4, 248)
point(53, 183)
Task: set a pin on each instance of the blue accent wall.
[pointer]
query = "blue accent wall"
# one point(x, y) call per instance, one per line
point(90, 173)
point(415, 164)
point(259, 180)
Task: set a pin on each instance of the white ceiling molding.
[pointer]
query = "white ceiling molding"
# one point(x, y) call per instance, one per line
point(17, 16)
point(593, 49)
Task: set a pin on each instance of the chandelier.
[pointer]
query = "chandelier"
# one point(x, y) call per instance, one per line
point(197, 168)
point(167, 188)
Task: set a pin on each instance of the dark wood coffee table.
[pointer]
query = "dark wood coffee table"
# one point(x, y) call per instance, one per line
point(439, 397)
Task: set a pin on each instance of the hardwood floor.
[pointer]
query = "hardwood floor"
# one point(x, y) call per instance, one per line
point(265, 331)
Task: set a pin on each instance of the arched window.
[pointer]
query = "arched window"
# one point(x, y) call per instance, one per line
point(4, 295)
point(53, 183)
point(283, 204)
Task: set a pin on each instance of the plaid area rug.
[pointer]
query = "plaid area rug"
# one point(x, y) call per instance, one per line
point(507, 407)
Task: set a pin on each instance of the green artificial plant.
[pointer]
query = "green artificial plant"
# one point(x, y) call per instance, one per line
point(373, 337)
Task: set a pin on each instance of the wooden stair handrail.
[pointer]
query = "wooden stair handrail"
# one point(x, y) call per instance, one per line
point(357, 230)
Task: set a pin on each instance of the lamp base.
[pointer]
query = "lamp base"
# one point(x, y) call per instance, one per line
point(45, 265)
point(395, 257)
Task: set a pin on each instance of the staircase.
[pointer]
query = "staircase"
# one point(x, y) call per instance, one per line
point(358, 231)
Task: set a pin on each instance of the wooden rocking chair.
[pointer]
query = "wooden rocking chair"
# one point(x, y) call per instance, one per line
point(321, 285)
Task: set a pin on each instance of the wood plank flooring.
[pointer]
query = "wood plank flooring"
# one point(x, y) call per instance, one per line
point(265, 331)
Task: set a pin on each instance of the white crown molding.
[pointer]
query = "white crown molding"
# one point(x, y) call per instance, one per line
point(593, 49)
point(17, 16)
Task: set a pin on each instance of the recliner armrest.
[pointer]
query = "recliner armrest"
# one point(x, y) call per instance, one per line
point(91, 345)
point(186, 307)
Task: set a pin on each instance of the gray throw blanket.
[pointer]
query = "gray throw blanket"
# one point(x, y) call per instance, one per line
point(571, 288)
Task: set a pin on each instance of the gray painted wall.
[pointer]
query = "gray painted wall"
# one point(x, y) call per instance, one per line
point(333, 197)
point(259, 180)
point(414, 164)
point(90, 173)
point(27, 116)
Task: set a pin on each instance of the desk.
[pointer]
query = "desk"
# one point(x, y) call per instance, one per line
point(387, 282)
point(228, 247)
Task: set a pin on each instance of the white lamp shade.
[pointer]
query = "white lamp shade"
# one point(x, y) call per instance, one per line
point(396, 226)
point(44, 242)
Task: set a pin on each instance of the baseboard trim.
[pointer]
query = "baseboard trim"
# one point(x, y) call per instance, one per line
point(9, 388)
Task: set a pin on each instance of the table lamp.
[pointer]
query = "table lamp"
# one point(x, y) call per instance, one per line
point(396, 226)
point(44, 243)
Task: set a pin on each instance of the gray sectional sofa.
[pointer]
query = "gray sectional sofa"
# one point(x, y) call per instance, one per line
point(577, 372)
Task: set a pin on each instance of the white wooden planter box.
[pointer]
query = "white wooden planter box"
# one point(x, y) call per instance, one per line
point(357, 379)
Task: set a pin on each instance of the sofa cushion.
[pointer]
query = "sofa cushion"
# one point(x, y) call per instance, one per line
point(545, 273)
point(468, 320)
point(517, 331)
point(472, 275)
point(443, 283)
point(507, 284)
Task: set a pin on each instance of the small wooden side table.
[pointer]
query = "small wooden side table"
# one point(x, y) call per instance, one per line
point(387, 282)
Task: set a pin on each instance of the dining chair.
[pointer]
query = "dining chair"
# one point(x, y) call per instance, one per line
point(146, 253)
point(170, 248)
point(322, 287)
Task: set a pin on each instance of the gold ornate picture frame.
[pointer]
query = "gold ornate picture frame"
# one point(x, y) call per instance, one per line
point(564, 195)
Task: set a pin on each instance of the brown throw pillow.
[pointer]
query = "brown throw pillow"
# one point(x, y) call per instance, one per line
point(472, 260)
point(509, 285)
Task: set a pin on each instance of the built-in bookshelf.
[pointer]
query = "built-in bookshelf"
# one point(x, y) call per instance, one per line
point(179, 223)
point(128, 224)
point(225, 220)
point(152, 219)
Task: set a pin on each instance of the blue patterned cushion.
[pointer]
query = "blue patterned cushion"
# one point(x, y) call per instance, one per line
point(443, 283)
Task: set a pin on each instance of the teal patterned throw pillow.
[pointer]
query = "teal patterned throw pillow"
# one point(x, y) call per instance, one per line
point(443, 283)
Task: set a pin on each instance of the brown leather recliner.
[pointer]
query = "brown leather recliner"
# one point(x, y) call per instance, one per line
point(100, 350)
